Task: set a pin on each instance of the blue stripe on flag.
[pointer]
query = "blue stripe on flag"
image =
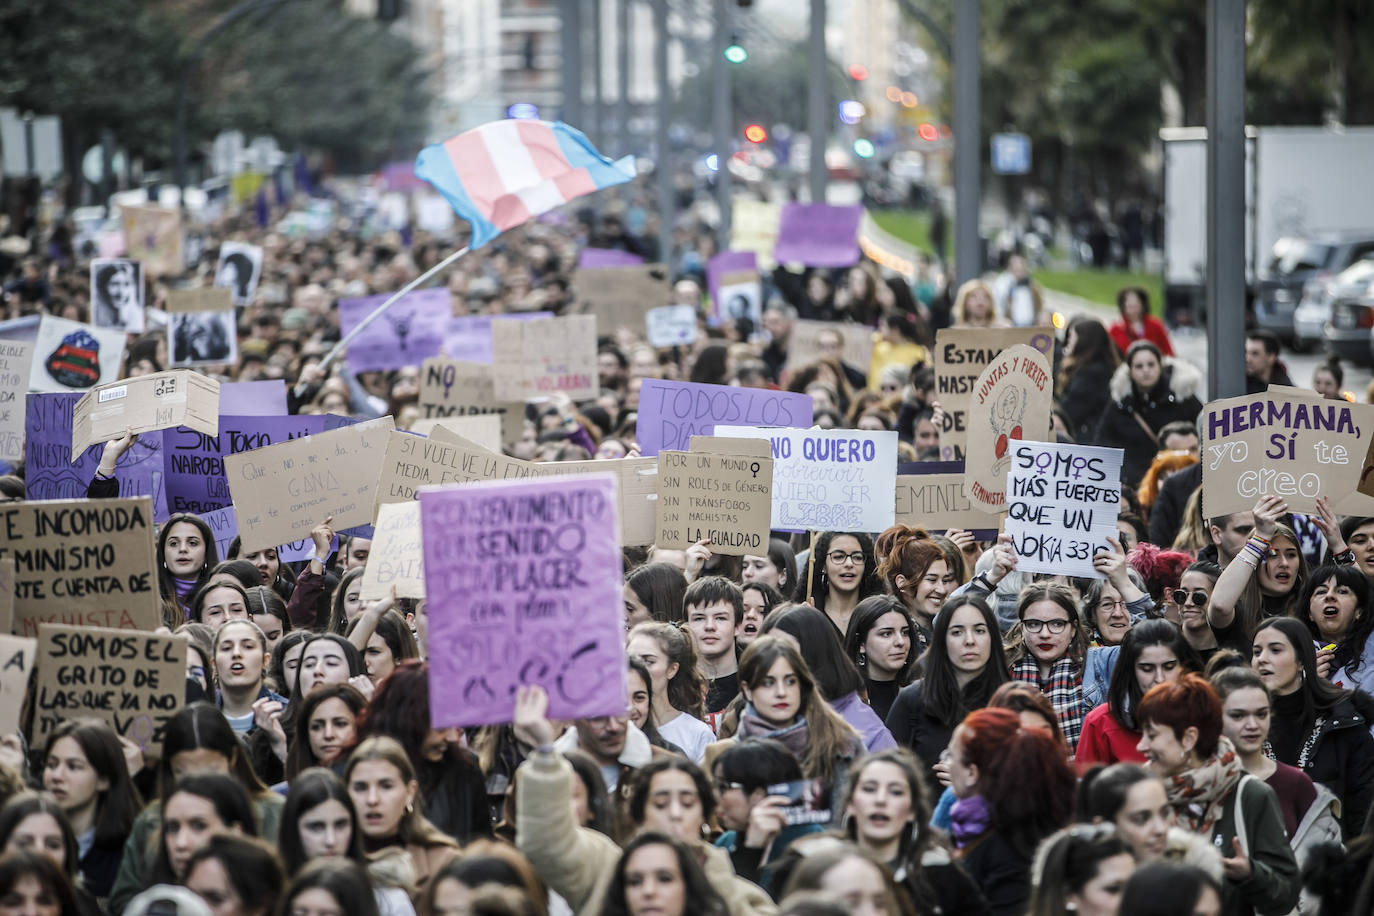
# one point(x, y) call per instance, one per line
point(434, 165)
point(581, 154)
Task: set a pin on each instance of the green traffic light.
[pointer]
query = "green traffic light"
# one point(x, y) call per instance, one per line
point(736, 54)
point(863, 148)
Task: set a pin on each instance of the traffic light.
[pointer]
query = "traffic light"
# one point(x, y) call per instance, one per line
point(735, 53)
point(755, 133)
point(863, 148)
point(858, 72)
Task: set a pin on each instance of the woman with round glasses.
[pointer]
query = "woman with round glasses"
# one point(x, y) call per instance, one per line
point(838, 575)
point(1047, 650)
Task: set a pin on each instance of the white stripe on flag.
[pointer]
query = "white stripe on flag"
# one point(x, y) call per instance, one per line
point(514, 167)
point(541, 198)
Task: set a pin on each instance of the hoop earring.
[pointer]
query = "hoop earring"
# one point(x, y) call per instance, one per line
point(863, 658)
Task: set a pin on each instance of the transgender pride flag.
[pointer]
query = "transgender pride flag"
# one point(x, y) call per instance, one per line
point(501, 174)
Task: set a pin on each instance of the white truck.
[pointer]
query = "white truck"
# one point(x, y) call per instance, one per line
point(1299, 182)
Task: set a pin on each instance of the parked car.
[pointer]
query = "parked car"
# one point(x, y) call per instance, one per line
point(1348, 332)
point(1300, 267)
point(1314, 311)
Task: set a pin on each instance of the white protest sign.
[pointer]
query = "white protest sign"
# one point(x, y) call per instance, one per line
point(671, 325)
point(829, 480)
point(16, 359)
point(1062, 503)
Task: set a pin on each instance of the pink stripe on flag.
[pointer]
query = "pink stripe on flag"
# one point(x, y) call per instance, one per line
point(473, 164)
point(508, 211)
point(543, 148)
point(575, 183)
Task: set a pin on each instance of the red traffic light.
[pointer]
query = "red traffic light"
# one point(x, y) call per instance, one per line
point(928, 132)
point(755, 133)
point(858, 72)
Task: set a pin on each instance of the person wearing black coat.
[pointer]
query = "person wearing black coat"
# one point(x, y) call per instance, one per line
point(914, 726)
point(1086, 370)
point(1148, 391)
point(1166, 515)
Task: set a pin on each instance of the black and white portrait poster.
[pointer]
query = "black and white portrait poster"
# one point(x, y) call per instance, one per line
point(201, 329)
point(240, 265)
point(117, 295)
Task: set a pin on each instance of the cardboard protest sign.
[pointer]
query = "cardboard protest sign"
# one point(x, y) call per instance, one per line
point(51, 473)
point(1010, 400)
point(621, 296)
point(818, 235)
point(754, 228)
point(200, 299)
point(265, 398)
point(410, 462)
point(85, 562)
point(829, 480)
point(523, 583)
point(456, 388)
point(17, 657)
point(407, 334)
point(1062, 503)
point(635, 485)
point(240, 265)
point(162, 400)
point(7, 595)
point(720, 445)
point(937, 501)
point(726, 498)
point(468, 337)
point(224, 524)
point(71, 356)
point(193, 477)
point(960, 357)
point(16, 360)
point(153, 235)
point(396, 559)
point(805, 343)
point(283, 491)
point(135, 682)
point(538, 358)
point(1267, 445)
point(596, 258)
point(671, 325)
point(484, 429)
point(117, 295)
point(670, 413)
point(202, 328)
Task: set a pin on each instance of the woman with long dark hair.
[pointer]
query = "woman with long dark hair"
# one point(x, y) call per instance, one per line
point(196, 809)
point(237, 873)
point(1085, 374)
point(32, 883)
point(836, 677)
point(1317, 727)
point(1264, 580)
point(85, 770)
point(448, 775)
point(1014, 789)
point(32, 822)
point(1212, 795)
point(1137, 803)
point(1153, 652)
point(186, 553)
point(654, 592)
point(326, 724)
point(678, 886)
point(1080, 869)
point(758, 600)
point(332, 886)
point(839, 573)
point(963, 667)
point(879, 643)
point(1335, 606)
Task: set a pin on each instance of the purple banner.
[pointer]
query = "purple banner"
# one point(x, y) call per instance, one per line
point(48, 469)
point(523, 582)
point(195, 462)
point(595, 258)
point(728, 262)
point(406, 334)
point(671, 413)
point(819, 235)
point(242, 399)
point(469, 337)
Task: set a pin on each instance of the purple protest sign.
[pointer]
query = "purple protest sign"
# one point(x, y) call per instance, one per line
point(596, 258)
point(469, 337)
point(819, 235)
point(195, 462)
point(266, 398)
point(671, 413)
point(407, 334)
point(729, 262)
point(523, 583)
point(49, 471)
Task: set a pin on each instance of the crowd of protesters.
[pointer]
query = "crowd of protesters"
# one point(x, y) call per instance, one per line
point(890, 722)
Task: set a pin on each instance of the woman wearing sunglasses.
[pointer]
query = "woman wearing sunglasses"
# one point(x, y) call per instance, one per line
point(1047, 650)
point(1193, 598)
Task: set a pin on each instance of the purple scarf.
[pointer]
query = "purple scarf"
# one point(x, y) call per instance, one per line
point(184, 589)
point(795, 736)
point(969, 819)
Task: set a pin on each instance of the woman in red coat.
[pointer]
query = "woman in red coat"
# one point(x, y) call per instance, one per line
point(1154, 651)
point(1136, 322)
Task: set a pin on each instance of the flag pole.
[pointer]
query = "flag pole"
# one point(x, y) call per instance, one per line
point(377, 312)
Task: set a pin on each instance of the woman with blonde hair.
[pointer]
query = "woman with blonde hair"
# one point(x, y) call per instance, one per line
point(975, 307)
point(678, 690)
point(1193, 534)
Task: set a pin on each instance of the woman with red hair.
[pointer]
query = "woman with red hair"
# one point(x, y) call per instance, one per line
point(1212, 795)
point(1014, 788)
point(916, 570)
